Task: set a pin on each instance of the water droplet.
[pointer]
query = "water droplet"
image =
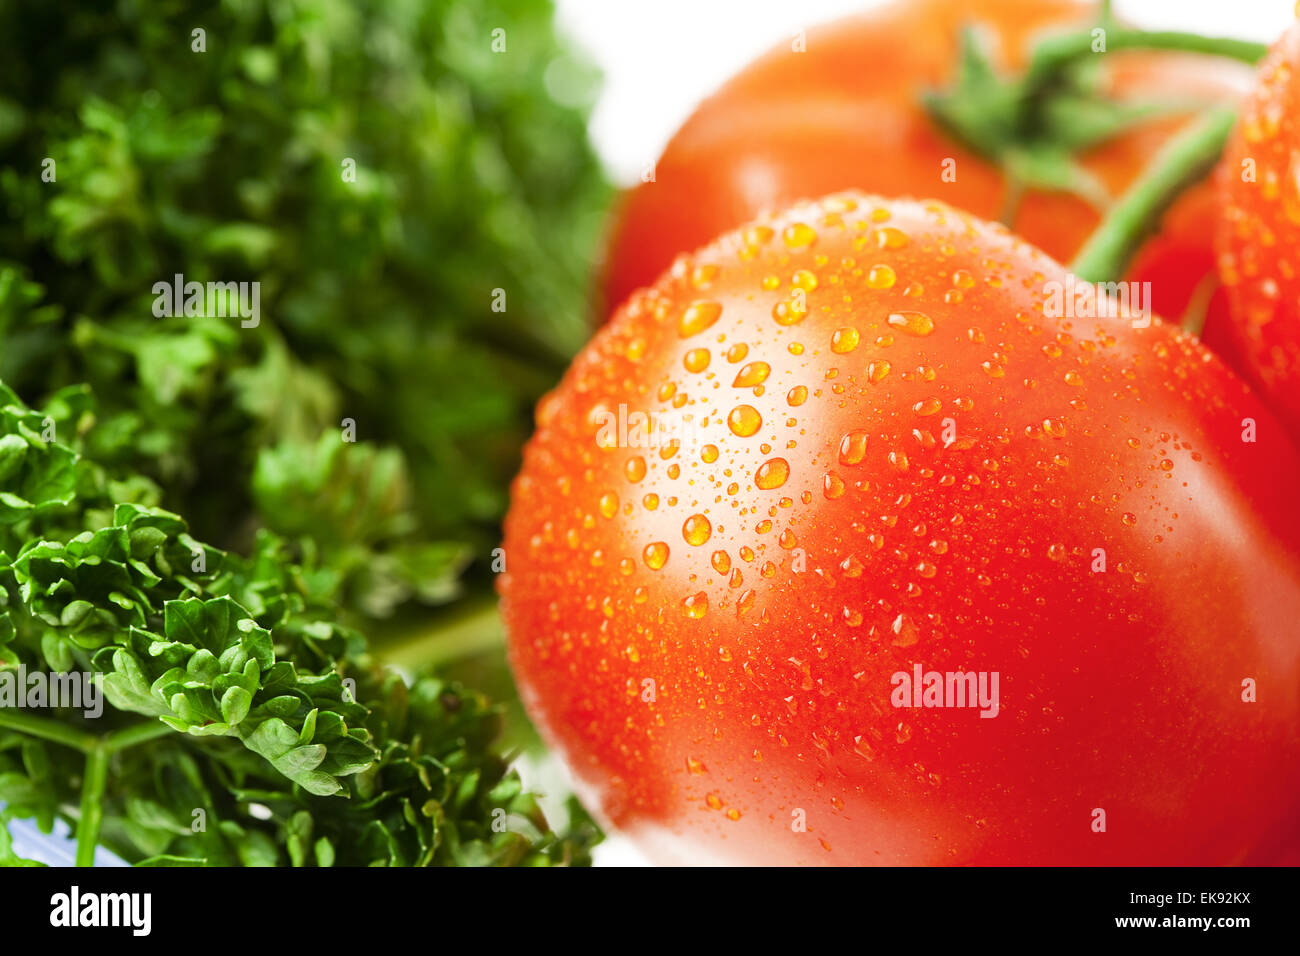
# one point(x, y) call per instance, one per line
point(696, 360)
point(844, 340)
point(881, 276)
point(798, 236)
point(803, 279)
point(877, 370)
point(655, 555)
point(797, 395)
point(635, 468)
point(912, 323)
point(609, 504)
point(744, 420)
point(698, 317)
point(853, 447)
point(745, 602)
point(887, 237)
point(905, 633)
point(721, 561)
point(772, 474)
point(755, 373)
point(791, 312)
point(697, 530)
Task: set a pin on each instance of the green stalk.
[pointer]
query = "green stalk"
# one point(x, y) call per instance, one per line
point(92, 806)
point(1056, 52)
point(139, 733)
point(468, 634)
point(98, 751)
point(48, 729)
point(1185, 159)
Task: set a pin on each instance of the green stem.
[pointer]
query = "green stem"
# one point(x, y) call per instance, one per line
point(1056, 52)
point(98, 751)
point(92, 805)
point(1183, 161)
point(47, 729)
point(139, 733)
point(474, 632)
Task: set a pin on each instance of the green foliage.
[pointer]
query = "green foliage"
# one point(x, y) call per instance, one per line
point(239, 688)
point(265, 718)
point(376, 295)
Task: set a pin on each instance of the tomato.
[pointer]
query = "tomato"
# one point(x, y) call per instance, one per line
point(877, 453)
point(846, 113)
point(1259, 233)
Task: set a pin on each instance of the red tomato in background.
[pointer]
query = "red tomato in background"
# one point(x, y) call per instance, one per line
point(847, 114)
point(912, 465)
point(1259, 234)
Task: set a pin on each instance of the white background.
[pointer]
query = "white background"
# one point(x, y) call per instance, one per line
point(661, 57)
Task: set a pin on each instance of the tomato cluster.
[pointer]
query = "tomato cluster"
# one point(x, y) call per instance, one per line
point(849, 539)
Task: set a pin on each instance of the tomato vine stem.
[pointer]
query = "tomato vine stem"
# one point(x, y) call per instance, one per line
point(1054, 53)
point(1186, 159)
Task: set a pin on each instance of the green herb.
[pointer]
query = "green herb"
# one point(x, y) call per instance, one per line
point(377, 296)
point(430, 299)
point(272, 736)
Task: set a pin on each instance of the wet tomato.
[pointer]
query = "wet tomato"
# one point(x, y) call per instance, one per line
point(846, 446)
point(846, 113)
point(1259, 233)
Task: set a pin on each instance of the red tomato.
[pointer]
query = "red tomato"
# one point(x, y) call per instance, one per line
point(846, 113)
point(1259, 235)
point(888, 457)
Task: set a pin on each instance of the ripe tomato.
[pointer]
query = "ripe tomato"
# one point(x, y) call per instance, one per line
point(846, 113)
point(1259, 233)
point(888, 456)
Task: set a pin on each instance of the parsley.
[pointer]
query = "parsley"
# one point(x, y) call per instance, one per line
point(200, 536)
point(273, 737)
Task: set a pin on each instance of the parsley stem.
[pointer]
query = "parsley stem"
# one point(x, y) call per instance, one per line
point(1183, 161)
point(468, 634)
point(47, 729)
point(136, 734)
point(92, 806)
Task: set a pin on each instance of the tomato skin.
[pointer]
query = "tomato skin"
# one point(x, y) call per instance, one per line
point(846, 114)
point(1259, 233)
point(1118, 690)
